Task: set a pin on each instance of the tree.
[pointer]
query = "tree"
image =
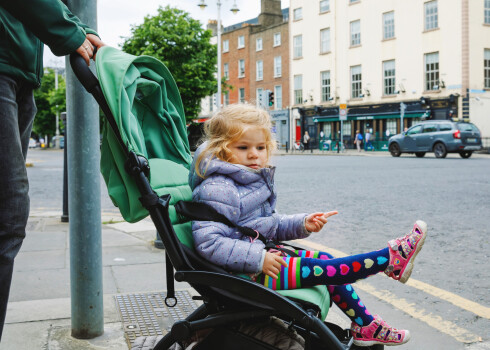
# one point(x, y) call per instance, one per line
point(49, 101)
point(184, 47)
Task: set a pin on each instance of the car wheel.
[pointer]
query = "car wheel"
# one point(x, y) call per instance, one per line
point(420, 154)
point(395, 150)
point(465, 154)
point(440, 150)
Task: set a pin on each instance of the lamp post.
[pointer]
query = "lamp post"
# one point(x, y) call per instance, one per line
point(202, 4)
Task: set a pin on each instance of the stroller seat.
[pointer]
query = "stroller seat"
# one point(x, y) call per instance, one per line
point(145, 160)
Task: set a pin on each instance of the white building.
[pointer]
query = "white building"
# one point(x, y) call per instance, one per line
point(434, 56)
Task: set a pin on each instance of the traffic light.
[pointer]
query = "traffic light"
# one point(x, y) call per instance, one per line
point(271, 99)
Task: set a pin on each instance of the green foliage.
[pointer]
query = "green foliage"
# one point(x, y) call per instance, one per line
point(184, 47)
point(48, 102)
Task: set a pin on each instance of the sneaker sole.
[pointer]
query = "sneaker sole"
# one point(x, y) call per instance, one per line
point(409, 267)
point(378, 342)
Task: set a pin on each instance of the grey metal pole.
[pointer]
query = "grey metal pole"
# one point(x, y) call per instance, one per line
point(218, 107)
point(87, 314)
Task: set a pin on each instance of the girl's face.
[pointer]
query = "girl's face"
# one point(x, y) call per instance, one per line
point(250, 149)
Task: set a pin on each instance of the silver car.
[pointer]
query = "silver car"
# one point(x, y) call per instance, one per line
point(438, 136)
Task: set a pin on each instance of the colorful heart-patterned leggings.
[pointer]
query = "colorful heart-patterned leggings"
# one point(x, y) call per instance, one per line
point(314, 268)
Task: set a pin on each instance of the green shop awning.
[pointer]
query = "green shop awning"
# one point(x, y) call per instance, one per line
point(368, 117)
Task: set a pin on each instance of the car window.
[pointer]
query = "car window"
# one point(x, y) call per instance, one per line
point(415, 130)
point(445, 127)
point(430, 128)
point(467, 127)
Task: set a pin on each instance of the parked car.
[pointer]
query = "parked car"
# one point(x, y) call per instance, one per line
point(33, 143)
point(438, 136)
point(61, 141)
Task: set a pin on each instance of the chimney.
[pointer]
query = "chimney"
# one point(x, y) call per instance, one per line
point(213, 26)
point(270, 12)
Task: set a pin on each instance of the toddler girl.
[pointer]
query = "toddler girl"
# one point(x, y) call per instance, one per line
point(231, 172)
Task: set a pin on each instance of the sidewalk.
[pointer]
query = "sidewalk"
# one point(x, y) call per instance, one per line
point(38, 315)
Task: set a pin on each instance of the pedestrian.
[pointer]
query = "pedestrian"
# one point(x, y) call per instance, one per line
point(306, 140)
point(231, 172)
point(368, 145)
point(322, 140)
point(358, 140)
point(25, 26)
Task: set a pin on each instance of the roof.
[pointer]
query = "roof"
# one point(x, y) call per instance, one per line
point(285, 17)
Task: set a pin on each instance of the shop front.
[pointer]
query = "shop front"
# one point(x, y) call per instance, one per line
point(280, 127)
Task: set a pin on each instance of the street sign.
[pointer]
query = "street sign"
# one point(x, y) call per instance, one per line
point(343, 112)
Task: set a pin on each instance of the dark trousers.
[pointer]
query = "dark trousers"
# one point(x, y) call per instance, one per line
point(17, 110)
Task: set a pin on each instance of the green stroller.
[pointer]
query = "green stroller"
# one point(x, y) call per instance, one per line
point(145, 159)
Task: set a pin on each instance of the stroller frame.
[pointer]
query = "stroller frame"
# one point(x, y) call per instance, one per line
point(227, 299)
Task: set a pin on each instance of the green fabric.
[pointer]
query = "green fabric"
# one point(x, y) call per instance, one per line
point(148, 110)
point(317, 295)
point(24, 24)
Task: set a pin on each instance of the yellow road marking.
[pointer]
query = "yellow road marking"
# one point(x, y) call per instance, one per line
point(452, 298)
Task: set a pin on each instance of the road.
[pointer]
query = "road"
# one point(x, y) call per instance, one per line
point(446, 303)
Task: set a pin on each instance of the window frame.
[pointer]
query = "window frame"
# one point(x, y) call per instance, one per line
point(328, 6)
point(325, 86)
point(276, 42)
point(277, 67)
point(226, 71)
point(257, 48)
point(226, 98)
point(429, 80)
point(258, 93)
point(277, 97)
point(356, 81)
point(389, 81)
point(226, 47)
point(298, 90)
point(355, 37)
point(259, 73)
point(241, 98)
point(486, 12)
point(240, 73)
point(389, 26)
point(241, 42)
point(298, 14)
point(486, 68)
point(431, 15)
point(325, 42)
point(298, 50)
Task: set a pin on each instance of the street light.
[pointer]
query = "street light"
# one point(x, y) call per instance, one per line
point(202, 4)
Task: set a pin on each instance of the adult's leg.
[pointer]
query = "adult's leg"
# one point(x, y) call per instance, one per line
point(17, 110)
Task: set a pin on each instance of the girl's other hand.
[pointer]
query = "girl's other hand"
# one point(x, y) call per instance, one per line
point(315, 222)
point(272, 264)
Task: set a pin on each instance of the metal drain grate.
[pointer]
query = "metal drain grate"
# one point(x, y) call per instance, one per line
point(145, 314)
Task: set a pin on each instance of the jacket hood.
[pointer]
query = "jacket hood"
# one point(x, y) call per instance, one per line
point(213, 166)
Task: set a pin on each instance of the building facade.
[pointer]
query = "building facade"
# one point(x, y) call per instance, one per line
point(391, 63)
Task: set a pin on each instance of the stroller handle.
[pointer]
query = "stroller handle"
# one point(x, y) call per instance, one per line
point(83, 72)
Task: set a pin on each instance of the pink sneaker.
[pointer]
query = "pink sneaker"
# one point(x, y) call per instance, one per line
point(401, 260)
point(378, 332)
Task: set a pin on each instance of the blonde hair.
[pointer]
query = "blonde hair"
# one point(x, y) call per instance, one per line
point(227, 126)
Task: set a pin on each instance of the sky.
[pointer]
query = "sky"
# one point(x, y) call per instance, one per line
point(115, 17)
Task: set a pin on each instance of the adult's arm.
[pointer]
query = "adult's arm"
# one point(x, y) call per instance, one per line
point(52, 22)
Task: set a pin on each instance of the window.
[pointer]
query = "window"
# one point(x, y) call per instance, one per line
point(487, 11)
point(347, 128)
point(258, 44)
point(226, 45)
point(278, 97)
point(259, 101)
point(355, 33)
point(277, 39)
point(327, 130)
point(226, 100)
point(388, 25)
point(324, 6)
point(298, 14)
point(391, 127)
point(298, 46)
point(211, 102)
point(415, 130)
point(298, 89)
point(241, 68)
point(325, 85)
point(325, 40)
point(356, 81)
point(241, 95)
point(445, 127)
point(277, 67)
point(226, 71)
point(241, 41)
point(389, 77)
point(260, 70)
point(432, 71)
point(430, 9)
point(486, 64)
point(429, 128)
point(353, 1)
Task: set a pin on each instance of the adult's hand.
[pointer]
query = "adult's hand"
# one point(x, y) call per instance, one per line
point(86, 50)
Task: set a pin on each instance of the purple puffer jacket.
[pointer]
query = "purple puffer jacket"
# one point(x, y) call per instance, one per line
point(247, 198)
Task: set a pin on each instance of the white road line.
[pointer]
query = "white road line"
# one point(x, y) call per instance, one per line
point(452, 298)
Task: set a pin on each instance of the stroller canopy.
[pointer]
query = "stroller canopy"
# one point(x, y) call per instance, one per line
point(148, 112)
